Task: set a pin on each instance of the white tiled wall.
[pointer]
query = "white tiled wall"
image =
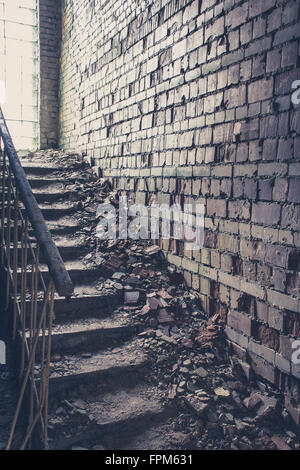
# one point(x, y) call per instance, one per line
point(19, 70)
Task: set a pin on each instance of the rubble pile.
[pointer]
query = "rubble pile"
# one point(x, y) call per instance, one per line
point(191, 367)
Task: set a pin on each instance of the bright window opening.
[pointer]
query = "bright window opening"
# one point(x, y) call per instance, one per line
point(19, 71)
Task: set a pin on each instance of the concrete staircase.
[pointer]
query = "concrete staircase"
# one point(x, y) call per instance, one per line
point(98, 384)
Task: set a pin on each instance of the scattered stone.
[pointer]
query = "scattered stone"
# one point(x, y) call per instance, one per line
point(118, 275)
point(187, 362)
point(280, 443)
point(165, 317)
point(86, 355)
point(152, 250)
point(201, 372)
point(196, 404)
point(153, 303)
point(222, 392)
point(79, 404)
point(131, 297)
point(252, 401)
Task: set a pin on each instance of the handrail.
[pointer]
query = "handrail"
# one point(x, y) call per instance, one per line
point(58, 272)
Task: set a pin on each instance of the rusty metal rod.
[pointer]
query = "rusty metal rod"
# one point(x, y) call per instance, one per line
point(59, 274)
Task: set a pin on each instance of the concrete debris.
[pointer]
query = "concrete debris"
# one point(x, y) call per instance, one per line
point(189, 364)
point(222, 392)
point(280, 443)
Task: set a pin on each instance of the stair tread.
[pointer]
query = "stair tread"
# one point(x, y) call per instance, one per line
point(83, 292)
point(55, 179)
point(62, 223)
point(70, 266)
point(61, 242)
point(91, 324)
point(118, 406)
point(57, 205)
point(127, 355)
point(75, 265)
point(53, 188)
point(30, 164)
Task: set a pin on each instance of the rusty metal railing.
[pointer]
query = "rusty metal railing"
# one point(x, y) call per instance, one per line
point(28, 295)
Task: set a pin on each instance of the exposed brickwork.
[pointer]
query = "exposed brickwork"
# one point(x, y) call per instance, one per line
point(192, 99)
point(50, 44)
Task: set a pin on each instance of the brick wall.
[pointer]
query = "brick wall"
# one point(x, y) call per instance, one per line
point(192, 100)
point(50, 43)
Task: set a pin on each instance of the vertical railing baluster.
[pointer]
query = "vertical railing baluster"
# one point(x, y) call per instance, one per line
point(33, 305)
point(27, 373)
point(50, 321)
point(23, 289)
point(8, 237)
point(15, 262)
point(32, 327)
point(3, 208)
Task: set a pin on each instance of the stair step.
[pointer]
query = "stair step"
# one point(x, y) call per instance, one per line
point(70, 249)
point(108, 418)
point(36, 181)
point(54, 196)
point(78, 272)
point(63, 226)
point(40, 168)
point(57, 210)
point(117, 364)
point(52, 211)
point(91, 334)
point(83, 306)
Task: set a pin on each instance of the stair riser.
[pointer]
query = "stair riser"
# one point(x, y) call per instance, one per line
point(40, 170)
point(63, 230)
point(55, 214)
point(41, 183)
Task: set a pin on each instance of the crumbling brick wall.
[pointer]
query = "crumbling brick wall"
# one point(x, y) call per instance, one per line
point(192, 100)
point(50, 43)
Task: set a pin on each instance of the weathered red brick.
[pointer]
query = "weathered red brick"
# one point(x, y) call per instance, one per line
point(266, 335)
point(217, 207)
point(260, 90)
point(294, 190)
point(267, 214)
point(239, 210)
point(240, 322)
point(278, 255)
